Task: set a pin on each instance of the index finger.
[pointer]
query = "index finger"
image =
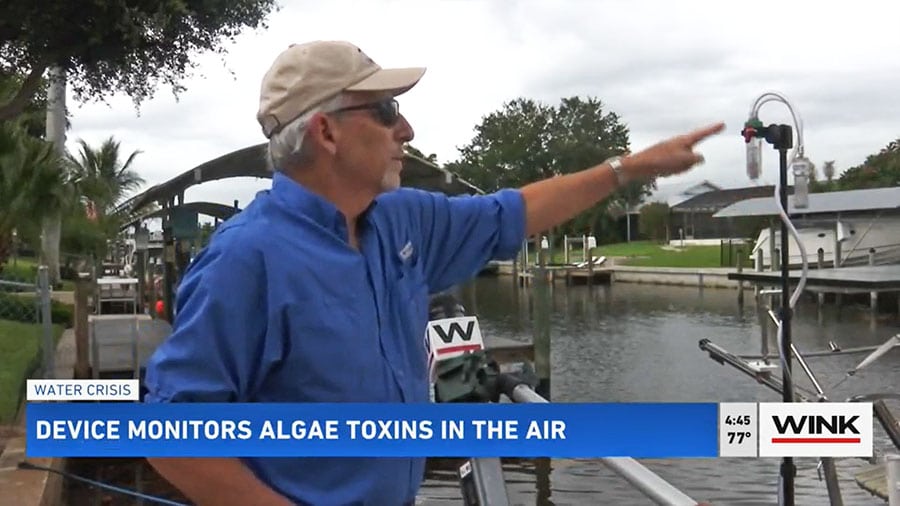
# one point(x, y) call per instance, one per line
point(702, 133)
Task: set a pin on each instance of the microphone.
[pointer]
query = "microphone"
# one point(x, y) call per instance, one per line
point(458, 363)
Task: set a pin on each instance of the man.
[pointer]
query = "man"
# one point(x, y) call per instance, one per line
point(318, 290)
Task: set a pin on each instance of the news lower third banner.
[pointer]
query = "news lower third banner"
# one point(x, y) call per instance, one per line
point(563, 430)
point(371, 430)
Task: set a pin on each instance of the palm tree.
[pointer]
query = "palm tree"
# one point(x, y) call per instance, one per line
point(32, 186)
point(103, 180)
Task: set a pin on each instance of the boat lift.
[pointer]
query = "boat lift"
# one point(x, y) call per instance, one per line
point(761, 369)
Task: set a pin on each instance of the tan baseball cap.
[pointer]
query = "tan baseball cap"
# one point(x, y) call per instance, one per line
point(305, 75)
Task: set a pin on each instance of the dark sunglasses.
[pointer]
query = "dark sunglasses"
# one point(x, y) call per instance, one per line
point(386, 111)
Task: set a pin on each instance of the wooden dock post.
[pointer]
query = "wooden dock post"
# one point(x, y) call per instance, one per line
point(541, 327)
point(515, 268)
point(773, 253)
point(83, 286)
point(820, 296)
point(740, 269)
point(838, 296)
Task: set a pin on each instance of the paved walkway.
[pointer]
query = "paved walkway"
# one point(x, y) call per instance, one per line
point(25, 487)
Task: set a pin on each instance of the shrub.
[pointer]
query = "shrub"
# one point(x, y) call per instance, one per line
point(23, 308)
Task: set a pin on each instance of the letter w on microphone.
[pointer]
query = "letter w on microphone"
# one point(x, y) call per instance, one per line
point(452, 337)
point(815, 429)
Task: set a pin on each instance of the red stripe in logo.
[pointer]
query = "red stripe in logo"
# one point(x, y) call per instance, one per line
point(463, 347)
point(808, 440)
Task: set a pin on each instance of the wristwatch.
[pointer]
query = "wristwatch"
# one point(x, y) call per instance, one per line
point(615, 163)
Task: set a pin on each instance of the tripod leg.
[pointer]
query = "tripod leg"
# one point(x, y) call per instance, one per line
point(482, 483)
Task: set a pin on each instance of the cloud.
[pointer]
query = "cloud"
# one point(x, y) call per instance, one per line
point(663, 66)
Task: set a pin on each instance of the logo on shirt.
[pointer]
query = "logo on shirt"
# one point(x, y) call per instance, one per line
point(406, 252)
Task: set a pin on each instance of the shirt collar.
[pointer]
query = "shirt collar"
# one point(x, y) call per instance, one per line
point(299, 200)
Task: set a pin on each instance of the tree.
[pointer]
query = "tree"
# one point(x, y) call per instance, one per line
point(654, 222)
point(33, 116)
point(32, 185)
point(526, 141)
point(511, 147)
point(110, 46)
point(878, 171)
point(103, 179)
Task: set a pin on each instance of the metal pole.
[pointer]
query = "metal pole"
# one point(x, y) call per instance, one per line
point(657, 489)
point(643, 479)
point(46, 322)
point(808, 371)
point(483, 483)
point(831, 482)
point(788, 470)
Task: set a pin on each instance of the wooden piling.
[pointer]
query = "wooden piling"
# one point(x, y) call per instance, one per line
point(83, 286)
point(541, 327)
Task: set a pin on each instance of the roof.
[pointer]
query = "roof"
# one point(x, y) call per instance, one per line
point(213, 209)
point(251, 162)
point(675, 193)
point(819, 203)
point(712, 201)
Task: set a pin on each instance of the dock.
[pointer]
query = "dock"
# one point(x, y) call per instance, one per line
point(871, 279)
point(864, 278)
point(569, 275)
point(122, 343)
point(509, 351)
point(873, 480)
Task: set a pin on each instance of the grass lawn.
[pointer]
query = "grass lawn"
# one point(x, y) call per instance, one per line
point(651, 254)
point(25, 271)
point(20, 354)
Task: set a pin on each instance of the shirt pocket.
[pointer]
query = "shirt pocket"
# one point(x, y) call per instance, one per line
point(409, 308)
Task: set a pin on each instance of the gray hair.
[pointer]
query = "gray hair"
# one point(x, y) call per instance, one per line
point(287, 147)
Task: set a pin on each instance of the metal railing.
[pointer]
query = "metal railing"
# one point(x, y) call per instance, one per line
point(28, 301)
point(640, 477)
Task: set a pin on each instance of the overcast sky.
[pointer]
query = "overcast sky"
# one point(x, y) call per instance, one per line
point(664, 66)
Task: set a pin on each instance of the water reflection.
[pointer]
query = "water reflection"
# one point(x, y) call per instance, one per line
point(639, 343)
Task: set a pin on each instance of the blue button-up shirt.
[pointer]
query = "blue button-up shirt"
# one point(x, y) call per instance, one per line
point(279, 308)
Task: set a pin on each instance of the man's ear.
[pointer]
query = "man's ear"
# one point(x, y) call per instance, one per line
point(323, 132)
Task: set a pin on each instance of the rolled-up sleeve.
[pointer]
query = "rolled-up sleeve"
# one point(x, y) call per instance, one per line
point(461, 234)
point(217, 351)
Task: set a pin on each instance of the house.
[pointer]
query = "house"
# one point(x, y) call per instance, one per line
point(675, 193)
point(694, 217)
point(669, 194)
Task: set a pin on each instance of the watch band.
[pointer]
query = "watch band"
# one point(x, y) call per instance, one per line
point(615, 163)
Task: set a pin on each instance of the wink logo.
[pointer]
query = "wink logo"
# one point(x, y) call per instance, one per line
point(451, 337)
point(815, 429)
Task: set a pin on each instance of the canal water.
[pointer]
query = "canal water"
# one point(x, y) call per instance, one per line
point(638, 343)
